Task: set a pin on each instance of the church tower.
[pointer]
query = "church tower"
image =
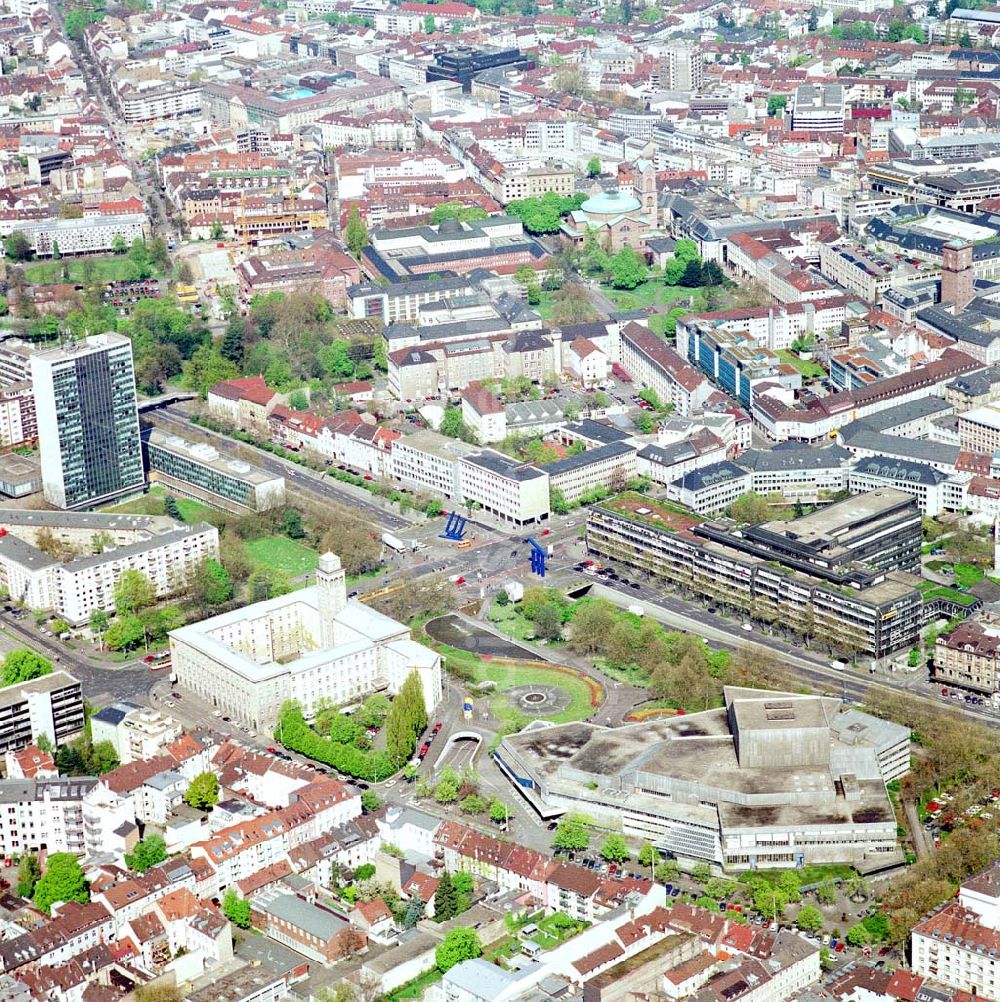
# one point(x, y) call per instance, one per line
point(331, 586)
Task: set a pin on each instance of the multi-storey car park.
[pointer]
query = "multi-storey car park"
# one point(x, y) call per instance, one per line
point(845, 574)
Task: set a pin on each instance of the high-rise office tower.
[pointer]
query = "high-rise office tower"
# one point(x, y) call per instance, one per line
point(88, 423)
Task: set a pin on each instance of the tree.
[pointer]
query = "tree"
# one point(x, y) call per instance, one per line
point(236, 909)
point(449, 782)
point(666, 871)
point(291, 524)
point(750, 509)
point(429, 25)
point(498, 812)
point(63, 880)
point(445, 899)
point(118, 244)
point(456, 210)
point(648, 855)
point(628, 270)
point(373, 711)
point(28, 872)
point(203, 792)
point(406, 719)
point(233, 344)
point(964, 42)
point(453, 426)
point(124, 633)
point(776, 103)
point(473, 804)
point(364, 872)
point(594, 167)
point(267, 583)
point(133, 591)
point(212, 584)
point(572, 835)
point(23, 665)
point(614, 849)
point(548, 622)
point(370, 801)
point(858, 935)
point(150, 851)
point(355, 232)
point(544, 214)
point(460, 944)
point(17, 247)
point(217, 232)
point(826, 893)
point(691, 278)
point(809, 919)
point(56, 253)
point(205, 368)
point(572, 305)
point(102, 758)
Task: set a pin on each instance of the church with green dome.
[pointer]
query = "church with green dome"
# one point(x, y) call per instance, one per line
point(621, 217)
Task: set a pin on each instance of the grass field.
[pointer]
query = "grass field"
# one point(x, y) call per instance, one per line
point(655, 293)
point(194, 511)
point(283, 553)
point(510, 675)
point(415, 989)
point(152, 503)
point(101, 269)
point(808, 368)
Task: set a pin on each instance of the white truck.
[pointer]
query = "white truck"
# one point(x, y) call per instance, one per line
point(394, 543)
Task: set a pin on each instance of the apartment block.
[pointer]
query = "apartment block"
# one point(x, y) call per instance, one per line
point(50, 706)
point(40, 814)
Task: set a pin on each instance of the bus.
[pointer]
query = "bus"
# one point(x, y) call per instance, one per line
point(157, 662)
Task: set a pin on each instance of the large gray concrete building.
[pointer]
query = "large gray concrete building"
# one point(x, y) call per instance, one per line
point(772, 779)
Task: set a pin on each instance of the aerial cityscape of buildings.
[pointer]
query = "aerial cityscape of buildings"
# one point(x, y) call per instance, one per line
point(499, 501)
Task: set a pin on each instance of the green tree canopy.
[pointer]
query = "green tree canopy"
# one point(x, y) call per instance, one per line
point(150, 851)
point(63, 880)
point(23, 665)
point(203, 792)
point(628, 270)
point(614, 849)
point(133, 591)
point(236, 909)
point(460, 944)
point(572, 834)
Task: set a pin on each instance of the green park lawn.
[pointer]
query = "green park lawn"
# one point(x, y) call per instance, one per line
point(284, 554)
point(654, 293)
point(510, 676)
point(107, 268)
point(152, 503)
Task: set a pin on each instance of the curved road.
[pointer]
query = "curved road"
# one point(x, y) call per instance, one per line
point(100, 685)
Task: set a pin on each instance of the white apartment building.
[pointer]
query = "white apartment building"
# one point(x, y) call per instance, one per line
point(37, 813)
point(959, 943)
point(167, 100)
point(136, 732)
point(650, 362)
point(513, 491)
point(89, 235)
point(979, 430)
point(430, 461)
point(935, 491)
point(50, 706)
point(309, 645)
point(73, 588)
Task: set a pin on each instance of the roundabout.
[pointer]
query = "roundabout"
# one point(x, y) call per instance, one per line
point(539, 700)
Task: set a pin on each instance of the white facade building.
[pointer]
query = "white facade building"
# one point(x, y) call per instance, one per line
point(309, 645)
